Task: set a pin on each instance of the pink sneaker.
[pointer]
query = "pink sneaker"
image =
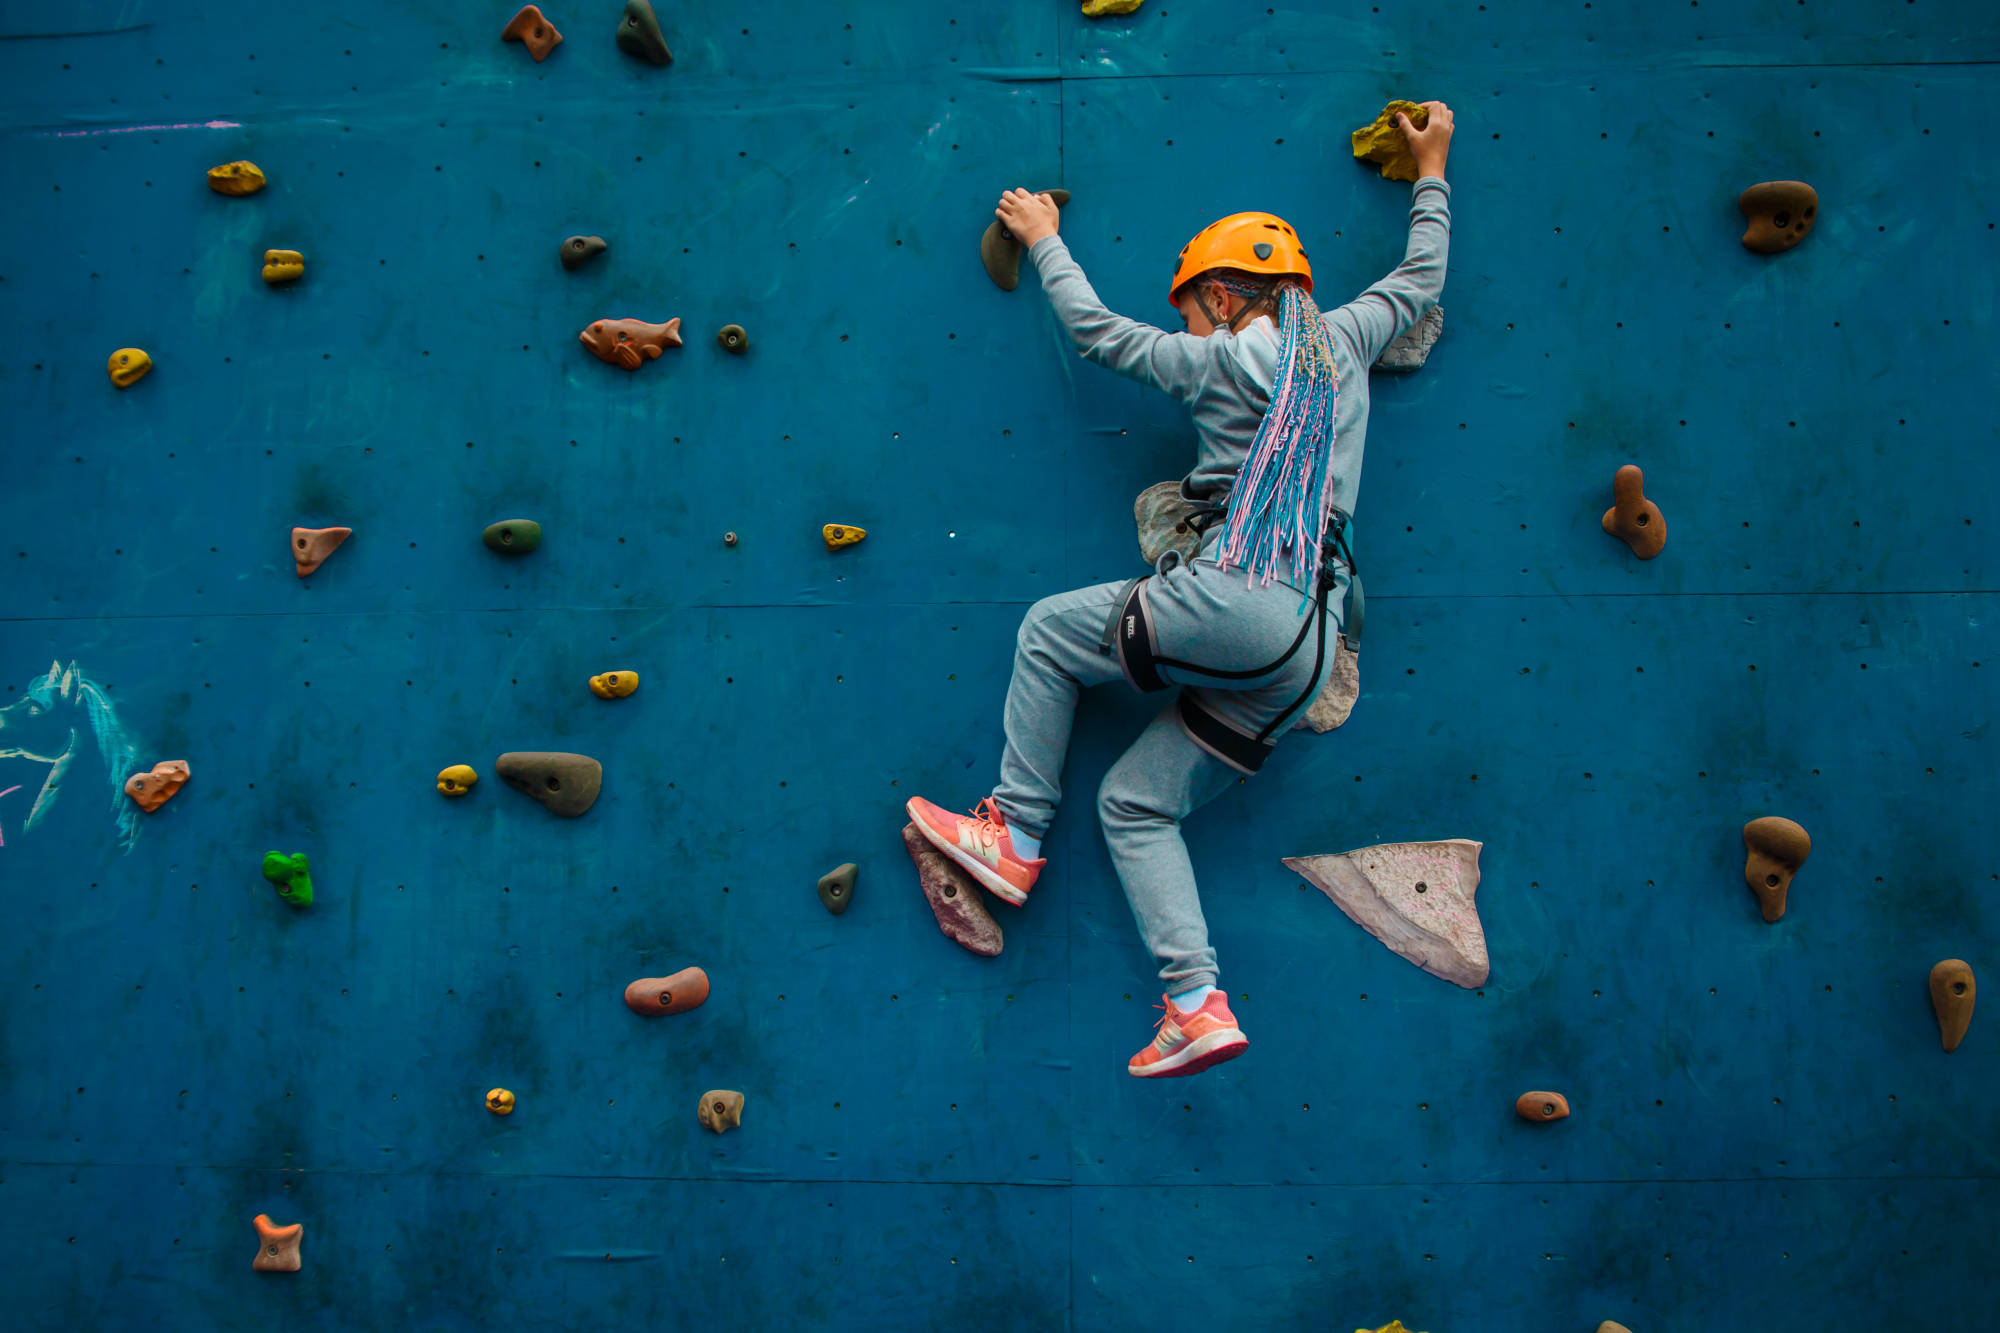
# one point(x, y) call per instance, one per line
point(979, 842)
point(1190, 1043)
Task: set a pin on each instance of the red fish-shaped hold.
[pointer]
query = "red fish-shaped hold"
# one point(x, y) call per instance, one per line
point(630, 342)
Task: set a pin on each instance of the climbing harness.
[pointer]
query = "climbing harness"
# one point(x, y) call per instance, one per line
point(1130, 633)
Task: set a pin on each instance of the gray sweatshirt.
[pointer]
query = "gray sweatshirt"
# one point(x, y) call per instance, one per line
point(1226, 379)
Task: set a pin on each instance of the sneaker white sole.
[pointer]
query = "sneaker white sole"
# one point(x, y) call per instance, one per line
point(972, 865)
point(1196, 1056)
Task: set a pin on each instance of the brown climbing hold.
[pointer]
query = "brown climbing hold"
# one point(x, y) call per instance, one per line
point(720, 1110)
point(566, 783)
point(630, 343)
point(533, 31)
point(1540, 1107)
point(577, 251)
point(1952, 994)
point(311, 546)
point(1632, 518)
point(1777, 848)
point(654, 996)
point(152, 790)
point(1780, 214)
point(277, 1247)
point(836, 887)
point(1001, 253)
point(953, 896)
point(732, 338)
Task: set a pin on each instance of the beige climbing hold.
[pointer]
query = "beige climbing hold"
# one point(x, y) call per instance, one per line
point(152, 790)
point(838, 535)
point(1777, 848)
point(500, 1101)
point(1415, 897)
point(1336, 698)
point(654, 996)
point(311, 546)
point(1952, 994)
point(614, 684)
point(1780, 214)
point(1612, 1326)
point(1541, 1107)
point(456, 780)
point(720, 1110)
point(1632, 518)
point(1001, 252)
point(277, 1247)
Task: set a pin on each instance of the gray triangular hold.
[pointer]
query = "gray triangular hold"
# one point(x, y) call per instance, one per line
point(1415, 897)
point(1337, 696)
point(1410, 350)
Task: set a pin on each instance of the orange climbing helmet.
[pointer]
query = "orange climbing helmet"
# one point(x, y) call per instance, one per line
point(1250, 242)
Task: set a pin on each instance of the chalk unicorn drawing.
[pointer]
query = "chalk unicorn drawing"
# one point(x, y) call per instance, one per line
point(65, 721)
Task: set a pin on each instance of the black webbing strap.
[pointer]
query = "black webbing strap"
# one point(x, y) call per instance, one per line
point(1131, 632)
point(1245, 754)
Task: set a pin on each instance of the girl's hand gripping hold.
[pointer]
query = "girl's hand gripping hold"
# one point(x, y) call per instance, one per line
point(1030, 217)
point(1431, 144)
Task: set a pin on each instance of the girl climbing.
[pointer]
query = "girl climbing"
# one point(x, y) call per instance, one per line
point(1279, 397)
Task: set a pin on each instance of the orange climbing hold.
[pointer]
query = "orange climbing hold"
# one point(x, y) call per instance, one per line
point(1541, 1107)
point(311, 546)
point(152, 790)
point(533, 31)
point(1775, 849)
point(1952, 993)
point(277, 1247)
point(630, 343)
point(654, 996)
point(1632, 518)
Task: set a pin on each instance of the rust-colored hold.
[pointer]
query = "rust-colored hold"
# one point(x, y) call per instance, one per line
point(1780, 214)
point(277, 1247)
point(311, 546)
point(630, 343)
point(654, 996)
point(720, 1110)
point(1541, 1107)
point(953, 895)
point(1632, 518)
point(152, 790)
point(1777, 848)
point(533, 31)
point(1952, 993)
point(1001, 253)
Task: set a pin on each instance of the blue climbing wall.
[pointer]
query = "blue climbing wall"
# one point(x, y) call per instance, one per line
point(1766, 1133)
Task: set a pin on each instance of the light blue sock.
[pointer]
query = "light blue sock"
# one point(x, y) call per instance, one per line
point(1192, 1000)
point(1026, 846)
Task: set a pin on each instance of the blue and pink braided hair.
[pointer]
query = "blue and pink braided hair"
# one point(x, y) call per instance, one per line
point(1278, 508)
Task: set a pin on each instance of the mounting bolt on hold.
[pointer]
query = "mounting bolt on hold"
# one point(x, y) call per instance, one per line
point(729, 539)
point(733, 339)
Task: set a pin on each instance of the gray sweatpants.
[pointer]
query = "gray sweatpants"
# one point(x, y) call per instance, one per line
point(1200, 614)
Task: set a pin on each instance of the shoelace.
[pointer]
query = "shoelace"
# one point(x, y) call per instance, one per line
point(990, 824)
point(1161, 1042)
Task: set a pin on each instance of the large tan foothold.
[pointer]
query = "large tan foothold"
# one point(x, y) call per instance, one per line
point(1780, 214)
point(654, 996)
point(1001, 253)
point(533, 31)
point(1415, 897)
point(1632, 518)
point(1541, 1107)
point(720, 1110)
point(311, 546)
point(1952, 993)
point(1776, 849)
point(277, 1247)
point(1612, 1326)
point(152, 790)
point(566, 783)
point(953, 896)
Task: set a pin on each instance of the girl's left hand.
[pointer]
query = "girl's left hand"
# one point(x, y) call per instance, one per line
point(1029, 216)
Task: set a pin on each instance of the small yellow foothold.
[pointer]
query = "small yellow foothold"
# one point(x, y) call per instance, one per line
point(237, 178)
point(614, 684)
point(1097, 9)
point(500, 1102)
point(457, 780)
point(128, 365)
point(838, 535)
point(283, 266)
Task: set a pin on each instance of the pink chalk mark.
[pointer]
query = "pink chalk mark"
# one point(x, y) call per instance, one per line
point(135, 129)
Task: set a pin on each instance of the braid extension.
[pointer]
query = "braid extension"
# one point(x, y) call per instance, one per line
point(1278, 509)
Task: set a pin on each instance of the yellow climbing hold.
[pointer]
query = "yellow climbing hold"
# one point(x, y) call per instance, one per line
point(1383, 141)
point(456, 780)
point(128, 365)
point(841, 534)
point(614, 684)
point(1097, 9)
point(283, 266)
point(500, 1102)
point(238, 178)
point(1393, 1326)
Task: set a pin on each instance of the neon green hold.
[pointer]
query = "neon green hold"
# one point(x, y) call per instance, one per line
point(292, 876)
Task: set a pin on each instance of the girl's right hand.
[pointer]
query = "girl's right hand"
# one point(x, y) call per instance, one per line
point(1431, 144)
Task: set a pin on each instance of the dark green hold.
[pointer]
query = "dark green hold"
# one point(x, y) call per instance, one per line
point(639, 34)
point(836, 887)
point(513, 536)
point(580, 250)
point(733, 339)
point(292, 876)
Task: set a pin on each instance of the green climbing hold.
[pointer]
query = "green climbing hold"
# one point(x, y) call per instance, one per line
point(514, 536)
point(733, 339)
point(836, 887)
point(292, 876)
point(639, 33)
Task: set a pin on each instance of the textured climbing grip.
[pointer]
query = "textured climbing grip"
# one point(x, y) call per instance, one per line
point(1541, 1107)
point(954, 897)
point(654, 996)
point(1415, 897)
point(277, 1247)
point(1775, 849)
point(566, 783)
point(1952, 992)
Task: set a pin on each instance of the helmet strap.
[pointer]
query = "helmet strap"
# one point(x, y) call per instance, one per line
point(1247, 309)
